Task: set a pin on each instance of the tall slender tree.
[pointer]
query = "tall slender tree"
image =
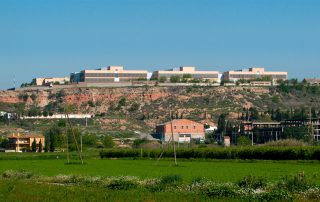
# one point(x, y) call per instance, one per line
point(40, 147)
point(34, 145)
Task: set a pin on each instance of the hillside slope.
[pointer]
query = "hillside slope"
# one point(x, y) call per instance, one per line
point(141, 108)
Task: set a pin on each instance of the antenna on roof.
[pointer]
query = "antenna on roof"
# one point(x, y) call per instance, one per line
point(14, 81)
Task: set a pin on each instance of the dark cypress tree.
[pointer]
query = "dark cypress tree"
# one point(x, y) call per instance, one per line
point(40, 146)
point(46, 145)
point(34, 145)
point(247, 115)
point(313, 113)
point(272, 114)
point(222, 123)
point(254, 114)
point(278, 115)
point(51, 146)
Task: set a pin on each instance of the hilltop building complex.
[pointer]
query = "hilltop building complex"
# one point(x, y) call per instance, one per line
point(118, 76)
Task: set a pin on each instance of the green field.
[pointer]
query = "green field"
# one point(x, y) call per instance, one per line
point(217, 170)
point(11, 191)
point(46, 168)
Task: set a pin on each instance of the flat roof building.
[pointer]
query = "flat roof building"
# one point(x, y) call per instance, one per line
point(23, 143)
point(108, 74)
point(203, 75)
point(313, 82)
point(53, 80)
point(183, 130)
point(253, 73)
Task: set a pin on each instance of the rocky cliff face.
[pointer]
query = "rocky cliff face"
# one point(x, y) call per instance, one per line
point(142, 108)
point(9, 97)
point(151, 100)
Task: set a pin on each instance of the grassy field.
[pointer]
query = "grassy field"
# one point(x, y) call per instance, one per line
point(47, 166)
point(217, 170)
point(11, 191)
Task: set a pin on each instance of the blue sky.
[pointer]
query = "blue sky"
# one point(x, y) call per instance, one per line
point(44, 38)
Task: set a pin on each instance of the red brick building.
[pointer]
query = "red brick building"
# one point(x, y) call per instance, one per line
point(183, 130)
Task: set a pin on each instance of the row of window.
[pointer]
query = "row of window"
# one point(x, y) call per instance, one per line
point(184, 127)
point(196, 76)
point(254, 76)
point(138, 75)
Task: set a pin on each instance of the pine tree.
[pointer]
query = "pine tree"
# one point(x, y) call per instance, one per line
point(34, 145)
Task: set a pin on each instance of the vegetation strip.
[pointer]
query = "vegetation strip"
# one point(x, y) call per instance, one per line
point(257, 188)
point(261, 153)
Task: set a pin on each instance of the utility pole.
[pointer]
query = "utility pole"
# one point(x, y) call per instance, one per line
point(81, 141)
point(80, 138)
point(9, 119)
point(174, 145)
point(86, 118)
point(252, 134)
point(68, 158)
point(252, 138)
point(74, 136)
point(310, 126)
point(18, 142)
point(14, 82)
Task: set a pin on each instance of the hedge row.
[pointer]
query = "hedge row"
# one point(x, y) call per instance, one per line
point(263, 153)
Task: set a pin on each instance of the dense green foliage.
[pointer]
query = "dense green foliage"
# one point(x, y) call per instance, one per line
point(244, 141)
point(264, 153)
point(108, 142)
point(54, 138)
point(3, 142)
point(298, 133)
point(293, 86)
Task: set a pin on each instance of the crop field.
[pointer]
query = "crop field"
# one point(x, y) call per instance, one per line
point(218, 170)
point(44, 177)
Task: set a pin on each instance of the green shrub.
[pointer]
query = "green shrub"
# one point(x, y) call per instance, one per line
point(221, 191)
point(165, 183)
point(162, 79)
point(122, 184)
point(17, 174)
point(273, 195)
point(298, 182)
point(244, 141)
point(253, 182)
point(108, 142)
point(171, 180)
